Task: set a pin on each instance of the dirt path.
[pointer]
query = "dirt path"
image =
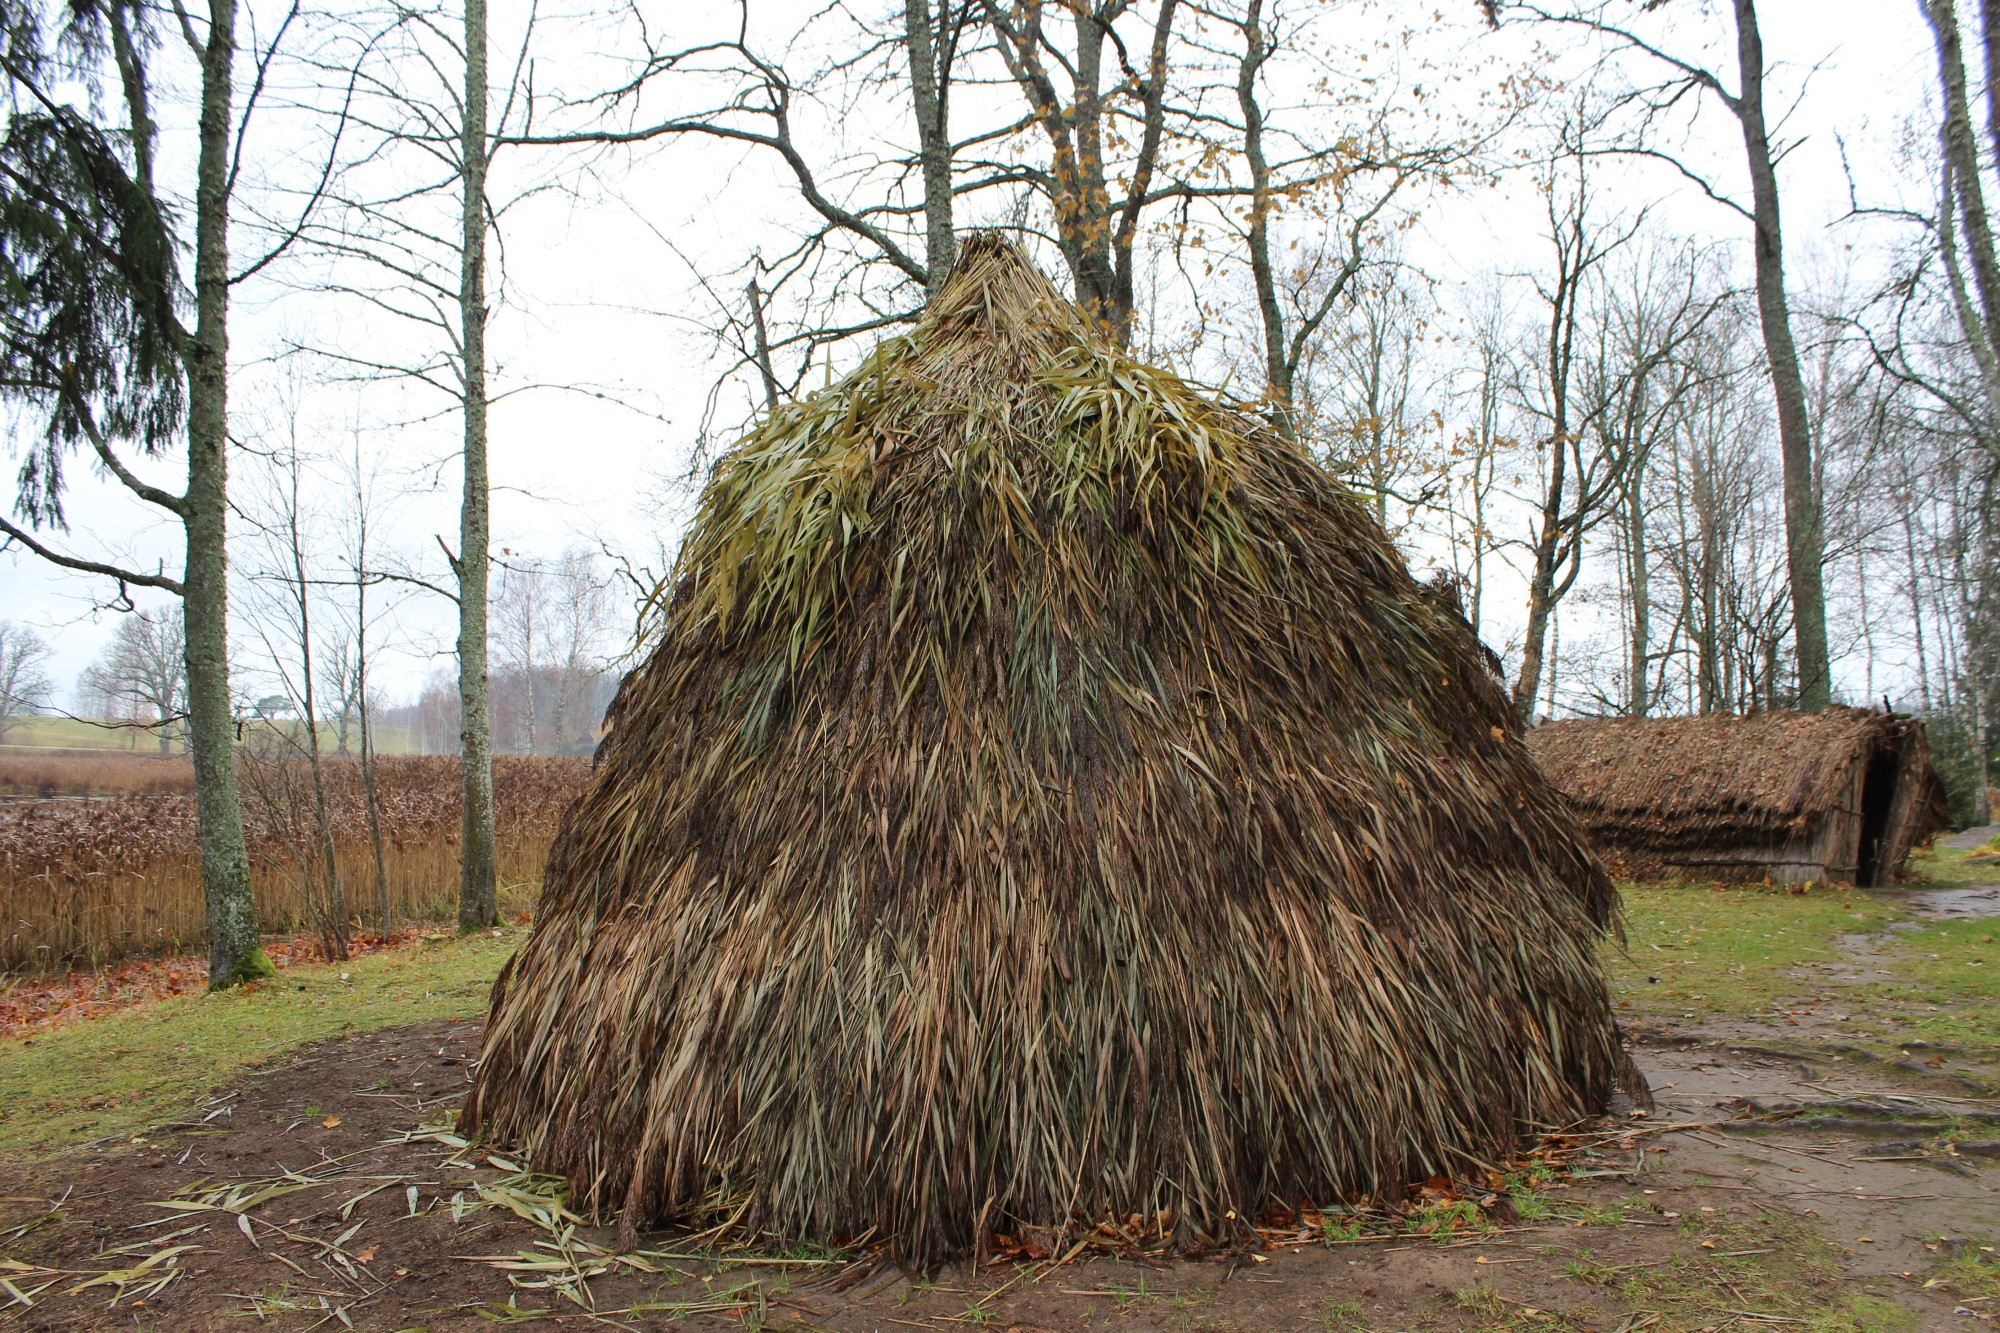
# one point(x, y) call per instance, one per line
point(1972, 837)
point(1784, 1180)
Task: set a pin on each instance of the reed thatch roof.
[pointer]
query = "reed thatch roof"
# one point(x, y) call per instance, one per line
point(1049, 798)
point(1841, 795)
point(1713, 779)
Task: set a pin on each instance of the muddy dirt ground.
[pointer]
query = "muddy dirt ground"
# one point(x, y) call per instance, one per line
point(1782, 1181)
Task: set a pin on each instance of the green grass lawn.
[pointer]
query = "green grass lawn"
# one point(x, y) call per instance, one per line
point(1728, 950)
point(1946, 987)
point(1948, 867)
point(1710, 951)
point(145, 1066)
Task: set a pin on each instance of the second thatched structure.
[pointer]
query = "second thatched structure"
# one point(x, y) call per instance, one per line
point(1048, 800)
point(1840, 796)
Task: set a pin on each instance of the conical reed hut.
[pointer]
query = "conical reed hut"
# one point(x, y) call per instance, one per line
point(1048, 797)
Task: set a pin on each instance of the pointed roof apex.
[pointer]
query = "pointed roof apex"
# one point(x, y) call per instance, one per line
point(995, 285)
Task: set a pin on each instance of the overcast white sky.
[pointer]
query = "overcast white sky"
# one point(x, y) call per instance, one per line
point(599, 299)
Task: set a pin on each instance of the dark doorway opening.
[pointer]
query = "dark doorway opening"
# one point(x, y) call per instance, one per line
point(1878, 803)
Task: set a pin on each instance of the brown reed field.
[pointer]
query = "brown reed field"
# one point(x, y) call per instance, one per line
point(107, 865)
point(49, 771)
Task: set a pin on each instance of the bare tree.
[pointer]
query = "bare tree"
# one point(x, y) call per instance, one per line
point(360, 566)
point(478, 893)
point(521, 614)
point(1350, 185)
point(1577, 483)
point(1963, 233)
point(1476, 453)
point(1963, 229)
point(25, 687)
point(550, 619)
point(1359, 397)
point(1639, 377)
point(581, 616)
point(143, 675)
point(1805, 553)
point(285, 584)
point(406, 236)
point(1083, 108)
point(866, 251)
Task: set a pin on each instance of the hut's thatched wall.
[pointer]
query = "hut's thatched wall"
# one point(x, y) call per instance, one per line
point(1047, 798)
point(1842, 795)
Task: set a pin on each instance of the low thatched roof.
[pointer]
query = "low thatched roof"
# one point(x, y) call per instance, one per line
point(1048, 797)
point(1718, 779)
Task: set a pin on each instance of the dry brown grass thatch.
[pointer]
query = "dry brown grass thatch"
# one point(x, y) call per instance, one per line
point(1049, 798)
point(1840, 794)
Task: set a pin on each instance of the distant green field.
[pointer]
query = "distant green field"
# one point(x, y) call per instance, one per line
point(85, 734)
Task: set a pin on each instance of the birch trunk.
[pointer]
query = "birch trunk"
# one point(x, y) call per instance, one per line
point(478, 900)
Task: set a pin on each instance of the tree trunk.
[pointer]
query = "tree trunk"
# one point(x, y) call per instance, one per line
point(1961, 152)
point(1860, 521)
point(1096, 244)
point(478, 900)
point(1804, 552)
point(1989, 23)
point(1087, 237)
point(370, 796)
point(1962, 206)
point(532, 721)
point(328, 901)
point(1278, 379)
point(1708, 654)
point(761, 344)
point(1555, 653)
point(1542, 591)
point(1638, 696)
point(1908, 516)
point(1534, 642)
point(234, 955)
point(929, 87)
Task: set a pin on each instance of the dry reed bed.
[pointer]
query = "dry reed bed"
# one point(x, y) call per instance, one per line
point(54, 772)
point(93, 880)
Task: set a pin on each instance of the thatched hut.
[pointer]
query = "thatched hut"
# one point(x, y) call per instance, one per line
point(1838, 796)
point(1047, 798)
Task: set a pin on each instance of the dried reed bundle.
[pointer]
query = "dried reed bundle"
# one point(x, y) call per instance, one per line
point(1049, 798)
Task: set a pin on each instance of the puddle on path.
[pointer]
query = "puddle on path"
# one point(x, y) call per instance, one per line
point(1966, 904)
